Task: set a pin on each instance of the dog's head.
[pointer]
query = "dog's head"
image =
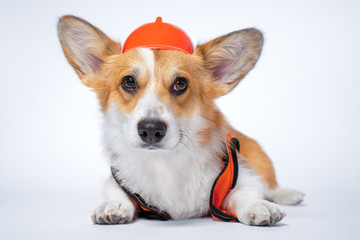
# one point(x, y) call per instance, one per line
point(156, 99)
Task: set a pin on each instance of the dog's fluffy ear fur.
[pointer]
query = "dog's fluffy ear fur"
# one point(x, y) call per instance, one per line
point(231, 57)
point(85, 47)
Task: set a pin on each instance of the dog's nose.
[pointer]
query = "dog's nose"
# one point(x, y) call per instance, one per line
point(151, 131)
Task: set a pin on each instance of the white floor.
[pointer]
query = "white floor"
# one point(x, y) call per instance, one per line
point(56, 218)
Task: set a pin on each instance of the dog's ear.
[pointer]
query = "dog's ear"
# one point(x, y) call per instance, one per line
point(231, 57)
point(85, 47)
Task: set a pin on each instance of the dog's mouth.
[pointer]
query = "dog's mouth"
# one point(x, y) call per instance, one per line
point(157, 147)
point(151, 147)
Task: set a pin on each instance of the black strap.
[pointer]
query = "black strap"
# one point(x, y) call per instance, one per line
point(153, 213)
point(234, 145)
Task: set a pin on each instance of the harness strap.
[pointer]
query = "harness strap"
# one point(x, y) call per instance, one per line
point(148, 211)
point(225, 182)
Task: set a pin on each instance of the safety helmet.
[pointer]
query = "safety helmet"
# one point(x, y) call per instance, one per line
point(159, 35)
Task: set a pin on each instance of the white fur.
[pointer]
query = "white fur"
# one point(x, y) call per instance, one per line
point(149, 61)
point(150, 107)
point(178, 176)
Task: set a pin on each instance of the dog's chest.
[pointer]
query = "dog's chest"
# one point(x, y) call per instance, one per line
point(179, 185)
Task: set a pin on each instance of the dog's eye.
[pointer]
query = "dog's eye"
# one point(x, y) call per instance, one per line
point(180, 85)
point(128, 83)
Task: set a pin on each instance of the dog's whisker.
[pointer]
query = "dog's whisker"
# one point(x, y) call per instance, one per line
point(105, 119)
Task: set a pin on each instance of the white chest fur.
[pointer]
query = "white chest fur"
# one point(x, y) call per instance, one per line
point(179, 184)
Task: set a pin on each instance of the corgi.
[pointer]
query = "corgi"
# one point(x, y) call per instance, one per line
point(162, 131)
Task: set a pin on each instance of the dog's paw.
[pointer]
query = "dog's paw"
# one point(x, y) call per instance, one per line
point(260, 213)
point(113, 212)
point(286, 196)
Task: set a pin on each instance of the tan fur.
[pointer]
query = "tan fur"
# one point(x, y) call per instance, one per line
point(117, 67)
point(256, 157)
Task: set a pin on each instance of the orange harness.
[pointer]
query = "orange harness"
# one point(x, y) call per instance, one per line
point(221, 187)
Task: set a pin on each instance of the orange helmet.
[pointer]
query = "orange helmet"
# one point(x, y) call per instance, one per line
point(159, 35)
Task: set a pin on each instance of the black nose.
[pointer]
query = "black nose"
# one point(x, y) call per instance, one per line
point(151, 131)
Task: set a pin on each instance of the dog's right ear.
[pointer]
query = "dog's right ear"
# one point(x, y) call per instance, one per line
point(85, 47)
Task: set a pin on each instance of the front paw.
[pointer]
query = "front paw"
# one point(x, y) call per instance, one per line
point(113, 212)
point(260, 213)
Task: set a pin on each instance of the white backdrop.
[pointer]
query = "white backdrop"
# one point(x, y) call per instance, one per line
point(301, 102)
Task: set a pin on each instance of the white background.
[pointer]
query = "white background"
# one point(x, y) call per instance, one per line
point(301, 102)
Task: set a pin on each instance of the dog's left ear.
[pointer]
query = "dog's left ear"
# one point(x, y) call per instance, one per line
point(231, 57)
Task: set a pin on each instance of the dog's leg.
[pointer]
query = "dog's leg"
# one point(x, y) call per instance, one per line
point(261, 163)
point(286, 196)
point(247, 203)
point(117, 208)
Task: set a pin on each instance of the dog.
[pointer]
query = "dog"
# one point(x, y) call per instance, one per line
point(164, 134)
